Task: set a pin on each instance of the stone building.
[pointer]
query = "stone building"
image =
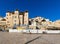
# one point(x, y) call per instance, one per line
point(16, 18)
point(21, 19)
point(57, 23)
point(1, 18)
point(3, 25)
point(3, 22)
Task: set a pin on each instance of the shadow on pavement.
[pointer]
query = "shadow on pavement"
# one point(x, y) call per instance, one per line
point(33, 39)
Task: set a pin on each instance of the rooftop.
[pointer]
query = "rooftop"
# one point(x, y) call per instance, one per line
point(3, 19)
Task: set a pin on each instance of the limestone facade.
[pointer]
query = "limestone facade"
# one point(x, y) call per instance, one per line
point(16, 18)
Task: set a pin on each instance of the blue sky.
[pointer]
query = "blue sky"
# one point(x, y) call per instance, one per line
point(45, 8)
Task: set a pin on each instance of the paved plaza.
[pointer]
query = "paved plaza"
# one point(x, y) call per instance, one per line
point(18, 38)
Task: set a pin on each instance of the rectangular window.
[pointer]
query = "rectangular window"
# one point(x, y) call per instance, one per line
point(15, 16)
point(8, 14)
point(14, 20)
point(7, 17)
point(12, 16)
point(7, 21)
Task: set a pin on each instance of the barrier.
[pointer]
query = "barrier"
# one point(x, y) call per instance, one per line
point(34, 31)
point(40, 31)
point(53, 31)
point(14, 30)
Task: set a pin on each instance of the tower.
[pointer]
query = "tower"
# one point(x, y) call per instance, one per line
point(15, 17)
point(21, 19)
point(26, 18)
point(8, 19)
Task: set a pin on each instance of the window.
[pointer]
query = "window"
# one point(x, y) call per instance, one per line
point(7, 21)
point(14, 20)
point(29, 22)
point(7, 14)
point(7, 18)
point(12, 16)
point(15, 24)
point(15, 16)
